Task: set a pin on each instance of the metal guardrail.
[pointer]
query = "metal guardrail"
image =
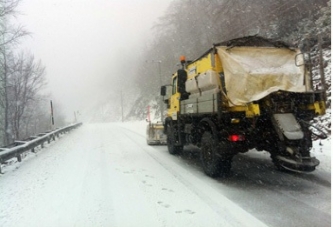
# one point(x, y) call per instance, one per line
point(18, 147)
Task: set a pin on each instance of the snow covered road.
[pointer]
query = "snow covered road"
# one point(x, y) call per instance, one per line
point(106, 175)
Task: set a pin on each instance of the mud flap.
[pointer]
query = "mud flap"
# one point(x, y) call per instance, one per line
point(287, 126)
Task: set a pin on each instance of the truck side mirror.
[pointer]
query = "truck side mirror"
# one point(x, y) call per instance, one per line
point(163, 90)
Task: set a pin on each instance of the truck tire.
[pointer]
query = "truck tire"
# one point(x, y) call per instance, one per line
point(172, 137)
point(213, 164)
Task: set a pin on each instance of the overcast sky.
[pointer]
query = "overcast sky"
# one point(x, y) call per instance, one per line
point(81, 42)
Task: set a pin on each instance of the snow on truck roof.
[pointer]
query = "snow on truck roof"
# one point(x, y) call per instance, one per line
point(249, 41)
point(255, 41)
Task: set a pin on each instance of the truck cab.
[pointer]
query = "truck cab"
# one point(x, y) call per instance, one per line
point(174, 100)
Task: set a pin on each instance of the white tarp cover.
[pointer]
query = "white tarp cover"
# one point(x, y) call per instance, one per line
point(251, 73)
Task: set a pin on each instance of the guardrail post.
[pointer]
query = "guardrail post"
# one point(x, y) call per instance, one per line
point(19, 157)
point(33, 150)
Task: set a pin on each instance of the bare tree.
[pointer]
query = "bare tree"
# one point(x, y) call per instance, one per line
point(4, 104)
point(27, 78)
point(9, 34)
point(23, 111)
point(9, 37)
point(8, 7)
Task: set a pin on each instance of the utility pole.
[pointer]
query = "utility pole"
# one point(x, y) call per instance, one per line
point(122, 105)
point(75, 118)
point(321, 66)
point(6, 106)
point(52, 118)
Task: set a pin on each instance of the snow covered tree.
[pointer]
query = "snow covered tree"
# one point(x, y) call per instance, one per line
point(21, 77)
point(26, 79)
point(9, 37)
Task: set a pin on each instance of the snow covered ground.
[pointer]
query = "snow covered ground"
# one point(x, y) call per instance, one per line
point(106, 175)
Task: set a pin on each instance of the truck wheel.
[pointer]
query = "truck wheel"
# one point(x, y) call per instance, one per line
point(213, 164)
point(172, 139)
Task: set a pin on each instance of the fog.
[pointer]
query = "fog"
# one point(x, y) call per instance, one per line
point(87, 45)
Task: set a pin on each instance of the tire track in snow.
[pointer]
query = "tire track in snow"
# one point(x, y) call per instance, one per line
point(264, 191)
point(229, 211)
point(96, 197)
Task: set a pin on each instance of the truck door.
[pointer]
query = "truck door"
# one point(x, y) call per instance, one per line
point(174, 100)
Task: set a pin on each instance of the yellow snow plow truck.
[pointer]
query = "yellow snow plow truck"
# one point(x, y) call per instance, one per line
point(242, 94)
